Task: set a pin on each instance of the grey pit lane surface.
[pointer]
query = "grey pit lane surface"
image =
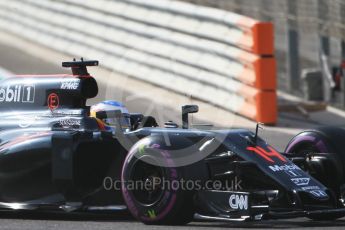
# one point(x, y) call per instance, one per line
point(115, 221)
point(21, 63)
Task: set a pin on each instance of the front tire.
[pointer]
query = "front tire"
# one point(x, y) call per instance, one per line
point(323, 140)
point(159, 203)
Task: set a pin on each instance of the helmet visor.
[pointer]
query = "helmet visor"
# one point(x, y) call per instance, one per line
point(124, 120)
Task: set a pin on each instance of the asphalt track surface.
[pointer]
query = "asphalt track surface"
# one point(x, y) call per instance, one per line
point(21, 63)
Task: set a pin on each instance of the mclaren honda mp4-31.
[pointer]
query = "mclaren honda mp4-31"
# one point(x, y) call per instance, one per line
point(55, 156)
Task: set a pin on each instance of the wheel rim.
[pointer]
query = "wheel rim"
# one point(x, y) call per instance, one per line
point(148, 181)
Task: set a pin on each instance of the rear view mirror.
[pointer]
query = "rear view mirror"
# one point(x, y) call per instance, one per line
point(186, 109)
point(190, 109)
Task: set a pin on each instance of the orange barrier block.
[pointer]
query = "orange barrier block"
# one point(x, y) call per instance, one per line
point(260, 74)
point(258, 37)
point(263, 36)
point(263, 108)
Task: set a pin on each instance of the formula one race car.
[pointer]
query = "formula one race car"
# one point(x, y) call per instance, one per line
point(55, 156)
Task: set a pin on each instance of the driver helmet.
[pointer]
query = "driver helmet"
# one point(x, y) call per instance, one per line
point(110, 122)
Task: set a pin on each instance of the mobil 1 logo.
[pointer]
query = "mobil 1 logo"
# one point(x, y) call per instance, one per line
point(28, 94)
point(17, 94)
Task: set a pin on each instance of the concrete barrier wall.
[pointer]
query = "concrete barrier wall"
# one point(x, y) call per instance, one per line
point(304, 30)
point(216, 56)
point(4, 74)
